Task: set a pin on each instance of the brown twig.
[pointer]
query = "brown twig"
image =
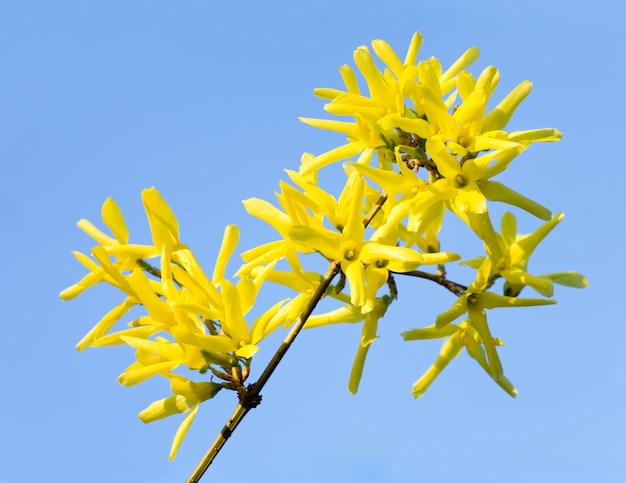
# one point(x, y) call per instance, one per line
point(454, 287)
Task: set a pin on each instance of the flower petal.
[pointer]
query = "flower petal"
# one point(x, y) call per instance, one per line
point(163, 223)
point(229, 244)
point(182, 431)
point(450, 348)
point(174, 404)
point(113, 218)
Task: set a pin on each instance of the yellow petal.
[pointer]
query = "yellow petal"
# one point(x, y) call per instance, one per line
point(118, 279)
point(374, 279)
point(327, 93)
point(508, 228)
point(536, 135)
point(379, 91)
point(414, 47)
point(385, 53)
point(438, 115)
point(326, 242)
point(132, 251)
point(500, 115)
point(468, 57)
point(194, 391)
point(182, 431)
point(135, 376)
point(103, 326)
point(337, 154)
point(174, 404)
point(202, 310)
point(357, 368)
point(430, 332)
point(490, 300)
point(354, 229)
point(229, 244)
point(471, 111)
point(449, 350)
point(495, 191)
point(372, 252)
point(355, 274)
point(269, 214)
point(447, 164)
point(458, 308)
point(94, 232)
point(349, 79)
point(350, 129)
point(167, 350)
point(260, 326)
point(346, 314)
point(115, 338)
point(569, 279)
point(184, 257)
point(528, 243)
point(314, 192)
point(417, 126)
point(113, 218)
point(87, 281)
point(233, 323)
point(478, 319)
point(208, 343)
point(465, 84)
point(157, 308)
point(247, 351)
point(163, 223)
point(439, 258)
point(518, 276)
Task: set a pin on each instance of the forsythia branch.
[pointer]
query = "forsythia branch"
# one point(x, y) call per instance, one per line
point(252, 397)
point(428, 140)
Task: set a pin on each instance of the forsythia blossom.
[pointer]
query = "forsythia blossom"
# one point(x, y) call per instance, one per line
point(421, 142)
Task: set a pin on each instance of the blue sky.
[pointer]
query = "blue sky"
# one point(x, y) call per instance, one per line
point(201, 100)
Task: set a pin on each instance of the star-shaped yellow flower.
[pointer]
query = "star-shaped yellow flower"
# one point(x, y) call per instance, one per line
point(359, 257)
point(517, 249)
point(474, 302)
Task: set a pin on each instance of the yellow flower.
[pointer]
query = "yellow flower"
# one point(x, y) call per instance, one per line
point(473, 333)
point(410, 198)
point(474, 302)
point(449, 350)
point(438, 148)
point(190, 321)
point(516, 252)
point(187, 396)
point(379, 117)
point(368, 335)
point(163, 223)
point(408, 103)
point(472, 186)
point(357, 255)
point(297, 208)
point(467, 129)
point(409, 109)
point(104, 270)
point(457, 337)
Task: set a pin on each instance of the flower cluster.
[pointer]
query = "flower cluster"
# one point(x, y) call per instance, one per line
point(421, 142)
point(190, 320)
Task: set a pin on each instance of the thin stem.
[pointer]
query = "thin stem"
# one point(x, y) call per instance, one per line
point(155, 272)
point(454, 287)
point(375, 208)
